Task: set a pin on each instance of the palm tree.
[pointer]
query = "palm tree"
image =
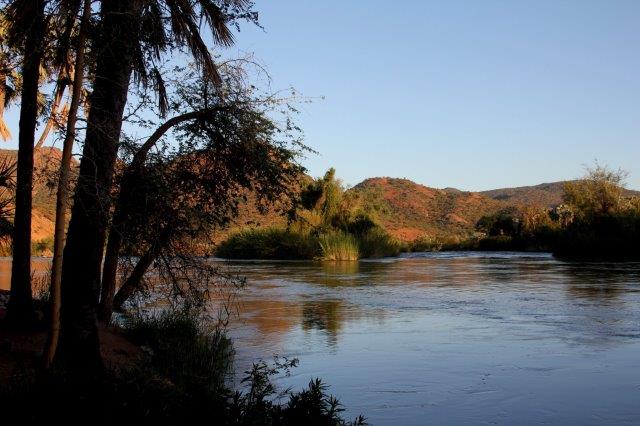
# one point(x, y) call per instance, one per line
point(27, 20)
point(7, 73)
point(63, 185)
point(26, 29)
point(133, 36)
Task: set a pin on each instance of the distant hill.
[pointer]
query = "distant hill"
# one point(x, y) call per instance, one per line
point(46, 164)
point(404, 208)
point(543, 195)
point(409, 210)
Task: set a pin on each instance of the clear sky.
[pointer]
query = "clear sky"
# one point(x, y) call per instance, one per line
point(474, 94)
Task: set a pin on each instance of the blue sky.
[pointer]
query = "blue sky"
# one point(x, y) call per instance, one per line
point(473, 94)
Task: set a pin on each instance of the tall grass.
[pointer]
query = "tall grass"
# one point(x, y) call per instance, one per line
point(278, 243)
point(339, 246)
point(192, 359)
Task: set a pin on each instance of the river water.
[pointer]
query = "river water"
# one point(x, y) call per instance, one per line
point(451, 338)
point(454, 338)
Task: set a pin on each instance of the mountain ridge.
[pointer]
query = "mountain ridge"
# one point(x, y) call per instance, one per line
point(406, 209)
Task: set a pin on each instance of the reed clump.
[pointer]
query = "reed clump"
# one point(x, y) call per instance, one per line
point(339, 246)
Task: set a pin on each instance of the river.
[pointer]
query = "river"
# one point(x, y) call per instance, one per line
point(451, 338)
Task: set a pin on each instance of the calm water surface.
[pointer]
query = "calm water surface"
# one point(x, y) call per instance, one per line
point(451, 338)
point(454, 338)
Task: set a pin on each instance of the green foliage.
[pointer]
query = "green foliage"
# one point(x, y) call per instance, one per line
point(327, 224)
point(376, 242)
point(604, 236)
point(425, 243)
point(596, 221)
point(604, 224)
point(599, 192)
point(339, 246)
point(269, 243)
point(196, 361)
point(42, 247)
point(181, 380)
point(501, 223)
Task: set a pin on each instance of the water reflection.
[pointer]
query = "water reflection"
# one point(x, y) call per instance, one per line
point(40, 267)
point(325, 316)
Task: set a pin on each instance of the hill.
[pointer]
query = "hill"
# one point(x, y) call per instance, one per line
point(404, 208)
point(408, 210)
point(543, 195)
point(46, 163)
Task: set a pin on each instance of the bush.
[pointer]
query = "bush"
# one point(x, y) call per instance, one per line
point(611, 236)
point(269, 243)
point(199, 362)
point(377, 243)
point(182, 380)
point(274, 243)
point(42, 247)
point(425, 243)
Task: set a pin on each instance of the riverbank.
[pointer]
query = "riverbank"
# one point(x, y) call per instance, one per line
point(23, 349)
point(163, 368)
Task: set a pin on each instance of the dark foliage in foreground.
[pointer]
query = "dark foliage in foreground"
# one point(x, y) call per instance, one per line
point(611, 236)
point(182, 379)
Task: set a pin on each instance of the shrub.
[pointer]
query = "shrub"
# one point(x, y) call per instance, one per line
point(199, 362)
point(269, 243)
point(425, 243)
point(43, 247)
point(182, 380)
point(377, 243)
point(611, 236)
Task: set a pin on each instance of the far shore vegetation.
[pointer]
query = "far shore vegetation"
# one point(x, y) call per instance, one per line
point(595, 220)
point(325, 223)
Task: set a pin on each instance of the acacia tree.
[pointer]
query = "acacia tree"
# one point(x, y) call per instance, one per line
point(224, 147)
point(132, 36)
point(599, 192)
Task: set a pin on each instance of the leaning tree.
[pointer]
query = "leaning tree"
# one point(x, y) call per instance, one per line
point(187, 179)
point(131, 38)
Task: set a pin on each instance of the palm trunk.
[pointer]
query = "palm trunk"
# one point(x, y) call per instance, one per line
point(79, 343)
point(20, 309)
point(110, 268)
point(63, 187)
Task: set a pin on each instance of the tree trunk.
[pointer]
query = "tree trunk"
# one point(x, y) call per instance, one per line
point(79, 343)
point(20, 309)
point(110, 269)
point(63, 187)
point(125, 197)
point(133, 282)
